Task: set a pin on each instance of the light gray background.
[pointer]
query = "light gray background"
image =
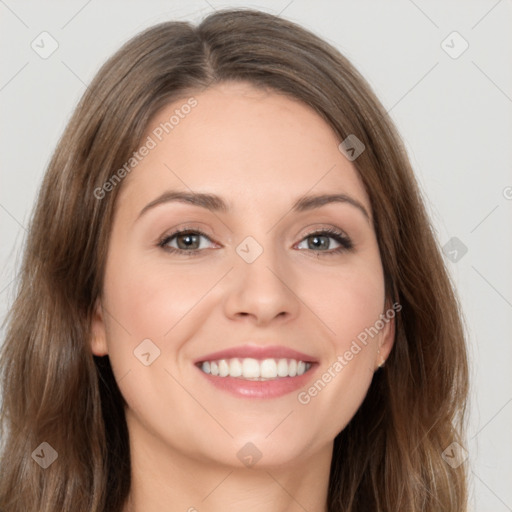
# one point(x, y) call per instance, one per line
point(455, 116)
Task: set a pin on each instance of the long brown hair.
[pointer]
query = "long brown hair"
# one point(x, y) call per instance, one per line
point(389, 457)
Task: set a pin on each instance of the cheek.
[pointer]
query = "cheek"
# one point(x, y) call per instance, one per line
point(348, 300)
point(149, 298)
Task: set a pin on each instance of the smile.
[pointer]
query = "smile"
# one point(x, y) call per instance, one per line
point(252, 369)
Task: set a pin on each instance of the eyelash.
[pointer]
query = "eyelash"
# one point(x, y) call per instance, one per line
point(339, 236)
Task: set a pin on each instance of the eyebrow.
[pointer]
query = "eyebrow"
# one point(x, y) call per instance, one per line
point(215, 203)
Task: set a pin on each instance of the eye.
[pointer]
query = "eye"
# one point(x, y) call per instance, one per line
point(193, 242)
point(329, 241)
point(185, 241)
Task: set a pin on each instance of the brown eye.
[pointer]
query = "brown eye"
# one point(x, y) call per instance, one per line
point(188, 241)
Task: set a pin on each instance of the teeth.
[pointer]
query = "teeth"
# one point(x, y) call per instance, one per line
point(268, 369)
point(254, 369)
point(282, 368)
point(235, 368)
point(223, 368)
point(250, 368)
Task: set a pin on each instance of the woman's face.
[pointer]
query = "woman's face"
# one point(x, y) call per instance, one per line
point(254, 179)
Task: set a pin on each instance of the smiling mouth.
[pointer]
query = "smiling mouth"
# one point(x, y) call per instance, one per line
point(252, 369)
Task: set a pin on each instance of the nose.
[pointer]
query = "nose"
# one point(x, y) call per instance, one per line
point(262, 291)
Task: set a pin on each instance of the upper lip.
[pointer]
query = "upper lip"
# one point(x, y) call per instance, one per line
point(257, 352)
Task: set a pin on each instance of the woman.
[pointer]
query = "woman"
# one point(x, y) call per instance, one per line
point(231, 295)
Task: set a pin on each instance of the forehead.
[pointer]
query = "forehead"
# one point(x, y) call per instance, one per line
point(243, 142)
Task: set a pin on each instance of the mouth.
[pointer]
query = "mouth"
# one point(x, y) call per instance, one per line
point(254, 371)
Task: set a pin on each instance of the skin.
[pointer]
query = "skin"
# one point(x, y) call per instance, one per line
point(260, 151)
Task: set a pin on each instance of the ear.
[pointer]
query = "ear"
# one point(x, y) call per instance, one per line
point(387, 335)
point(99, 334)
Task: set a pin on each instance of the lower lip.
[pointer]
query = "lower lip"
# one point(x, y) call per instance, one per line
point(260, 389)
